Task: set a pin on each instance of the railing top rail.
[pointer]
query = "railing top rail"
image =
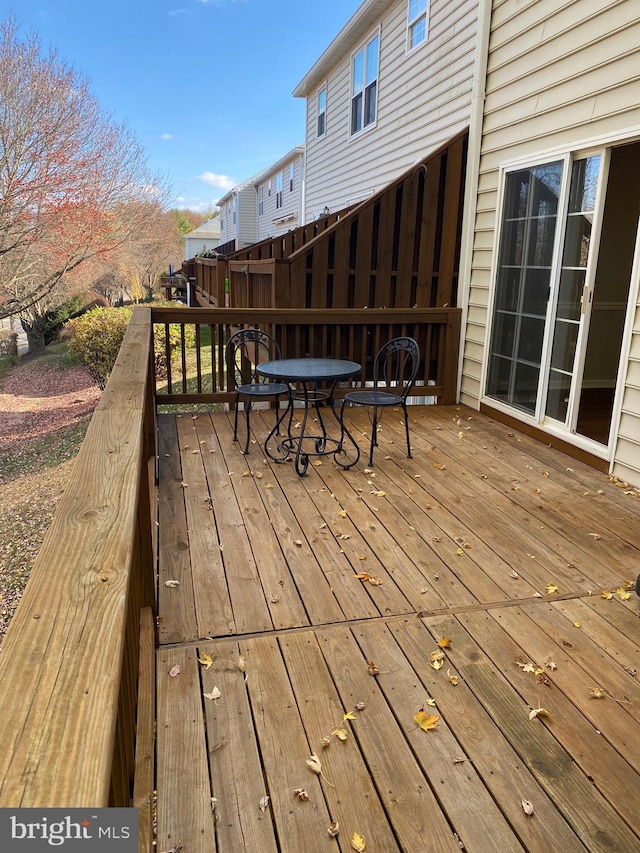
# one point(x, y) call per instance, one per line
point(60, 663)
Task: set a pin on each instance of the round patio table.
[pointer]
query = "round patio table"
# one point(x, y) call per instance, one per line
point(308, 373)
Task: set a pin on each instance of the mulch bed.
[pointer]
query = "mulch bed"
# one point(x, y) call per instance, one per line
point(44, 412)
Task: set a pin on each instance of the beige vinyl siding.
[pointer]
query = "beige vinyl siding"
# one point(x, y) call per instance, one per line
point(291, 209)
point(559, 74)
point(627, 454)
point(424, 98)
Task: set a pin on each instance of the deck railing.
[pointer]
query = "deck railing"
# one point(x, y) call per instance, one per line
point(196, 370)
point(75, 689)
point(77, 662)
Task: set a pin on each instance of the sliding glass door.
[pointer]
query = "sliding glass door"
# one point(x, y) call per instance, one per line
point(567, 240)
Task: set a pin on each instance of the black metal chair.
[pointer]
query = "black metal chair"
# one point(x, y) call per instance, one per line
point(395, 368)
point(245, 350)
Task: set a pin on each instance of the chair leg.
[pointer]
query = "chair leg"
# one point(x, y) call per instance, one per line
point(406, 427)
point(247, 412)
point(374, 433)
point(235, 419)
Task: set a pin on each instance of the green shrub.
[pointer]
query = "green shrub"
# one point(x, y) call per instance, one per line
point(94, 340)
point(56, 319)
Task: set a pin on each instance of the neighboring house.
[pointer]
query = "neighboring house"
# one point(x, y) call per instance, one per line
point(205, 238)
point(552, 331)
point(395, 83)
point(239, 215)
point(280, 195)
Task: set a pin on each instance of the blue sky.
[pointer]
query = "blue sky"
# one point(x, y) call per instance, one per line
point(205, 85)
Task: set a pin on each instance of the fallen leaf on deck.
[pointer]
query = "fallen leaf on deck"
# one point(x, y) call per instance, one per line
point(358, 842)
point(606, 594)
point(594, 535)
point(359, 706)
point(343, 513)
point(373, 669)
point(436, 659)
point(597, 692)
point(242, 664)
point(175, 670)
point(551, 665)
point(623, 594)
point(326, 741)
point(298, 542)
point(444, 642)
point(427, 722)
point(551, 588)
point(341, 734)
point(350, 715)
point(215, 694)
point(527, 808)
point(431, 703)
point(334, 829)
point(538, 712)
point(172, 584)
point(301, 794)
point(314, 764)
point(439, 465)
point(576, 624)
point(454, 679)
point(275, 598)
point(206, 660)
point(264, 802)
point(459, 552)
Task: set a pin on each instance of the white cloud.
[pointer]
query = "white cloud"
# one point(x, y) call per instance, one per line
point(224, 182)
point(166, 136)
point(196, 204)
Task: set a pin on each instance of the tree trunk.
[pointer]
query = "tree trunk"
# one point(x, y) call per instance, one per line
point(34, 328)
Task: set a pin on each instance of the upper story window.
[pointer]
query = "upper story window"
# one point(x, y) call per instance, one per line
point(279, 182)
point(364, 85)
point(292, 174)
point(416, 23)
point(322, 111)
point(261, 200)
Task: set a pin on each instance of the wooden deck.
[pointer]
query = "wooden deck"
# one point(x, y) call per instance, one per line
point(516, 554)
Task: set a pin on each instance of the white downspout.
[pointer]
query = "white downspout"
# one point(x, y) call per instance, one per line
point(473, 170)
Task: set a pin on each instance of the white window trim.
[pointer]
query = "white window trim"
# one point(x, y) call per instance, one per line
point(320, 89)
point(363, 46)
point(410, 23)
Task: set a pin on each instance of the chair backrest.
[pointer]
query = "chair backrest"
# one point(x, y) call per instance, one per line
point(245, 350)
point(396, 365)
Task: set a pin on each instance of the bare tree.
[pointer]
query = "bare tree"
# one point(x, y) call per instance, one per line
point(74, 185)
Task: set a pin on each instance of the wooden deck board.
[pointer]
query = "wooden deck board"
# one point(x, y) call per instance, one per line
point(465, 537)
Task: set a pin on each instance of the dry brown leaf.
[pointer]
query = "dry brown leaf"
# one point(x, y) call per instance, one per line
point(373, 669)
point(427, 722)
point(315, 765)
point(264, 802)
point(606, 594)
point(444, 643)
point(172, 584)
point(359, 706)
point(527, 808)
point(214, 695)
point(454, 679)
point(301, 794)
point(538, 712)
point(334, 829)
point(326, 741)
point(597, 692)
point(242, 664)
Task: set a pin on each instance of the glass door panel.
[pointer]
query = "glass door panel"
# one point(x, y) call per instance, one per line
point(528, 235)
point(573, 295)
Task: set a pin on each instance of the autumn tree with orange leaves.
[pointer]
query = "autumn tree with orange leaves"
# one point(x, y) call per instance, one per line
point(74, 185)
